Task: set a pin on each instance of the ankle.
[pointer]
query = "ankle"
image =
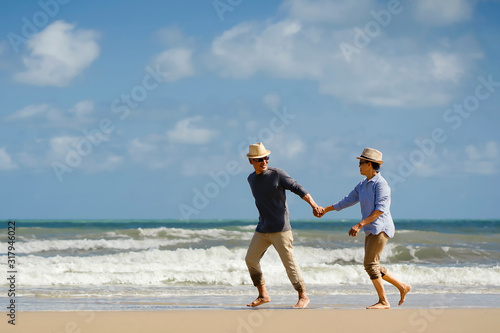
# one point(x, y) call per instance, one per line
point(303, 295)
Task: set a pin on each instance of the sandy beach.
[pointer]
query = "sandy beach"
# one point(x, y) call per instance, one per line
point(259, 320)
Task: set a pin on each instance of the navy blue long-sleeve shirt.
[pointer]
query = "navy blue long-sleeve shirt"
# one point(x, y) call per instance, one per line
point(268, 189)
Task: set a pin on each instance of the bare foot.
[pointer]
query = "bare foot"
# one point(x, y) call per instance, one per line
point(406, 289)
point(260, 300)
point(380, 305)
point(302, 303)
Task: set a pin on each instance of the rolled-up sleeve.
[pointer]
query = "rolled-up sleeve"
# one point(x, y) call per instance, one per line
point(382, 197)
point(348, 201)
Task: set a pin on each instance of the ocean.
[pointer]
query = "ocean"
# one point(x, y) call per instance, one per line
point(123, 265)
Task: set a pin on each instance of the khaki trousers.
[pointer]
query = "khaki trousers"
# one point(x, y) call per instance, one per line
point(282, 242)
point(374, 245)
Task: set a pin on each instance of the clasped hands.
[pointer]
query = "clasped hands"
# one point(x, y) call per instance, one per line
point(319, 211)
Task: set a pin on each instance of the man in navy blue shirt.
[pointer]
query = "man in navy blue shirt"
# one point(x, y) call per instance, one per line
point(268, 188)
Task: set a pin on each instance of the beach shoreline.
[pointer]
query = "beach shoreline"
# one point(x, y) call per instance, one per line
point(258, 320)
point(280, 300)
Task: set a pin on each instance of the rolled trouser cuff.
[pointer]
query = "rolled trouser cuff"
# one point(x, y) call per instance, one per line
point(257, 279)
point(374, 245)
point(300, 287)
point(375, 271)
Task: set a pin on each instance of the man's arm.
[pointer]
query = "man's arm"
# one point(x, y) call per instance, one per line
point(328, 209)
point(369, 219)
point(292, 185)
point(317, 210)
point(348, 201)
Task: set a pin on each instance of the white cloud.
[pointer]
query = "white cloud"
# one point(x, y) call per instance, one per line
point(381, 75)
point(29, 160)
point(75, 117)
point(157, 151)
point(6, 162)
point(484, 160)
point(58, 54)
point(186, 131)
point(87, 158)
point(290, 146)
point(82, 109)
point(107, 162)
point(175, 63)
point(479, 159)
point(446, 67)
point(140, 151)
point(443, 12)
point(59, 146)
point(436, 165)
point(272, 101)
point(29, 112)
point(395, 81)
point(294, 148)
point(75, 152)
point(151, 151)
point(283, 49)
point(40, 154)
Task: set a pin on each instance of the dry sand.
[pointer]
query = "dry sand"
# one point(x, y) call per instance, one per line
point(259, 320)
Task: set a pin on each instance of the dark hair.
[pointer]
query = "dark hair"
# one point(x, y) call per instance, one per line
point(375, 166)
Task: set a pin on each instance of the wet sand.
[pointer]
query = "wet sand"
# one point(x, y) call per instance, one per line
point(258, 320)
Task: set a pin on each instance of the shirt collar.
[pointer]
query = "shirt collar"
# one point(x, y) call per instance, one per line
point(374, 178)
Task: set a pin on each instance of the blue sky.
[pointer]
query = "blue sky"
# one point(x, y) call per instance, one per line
point(145, 109)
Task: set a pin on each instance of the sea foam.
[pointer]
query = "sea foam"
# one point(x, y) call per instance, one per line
point(220, 265)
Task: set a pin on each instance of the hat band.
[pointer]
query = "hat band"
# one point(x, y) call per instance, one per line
point(262, 154)
point(367, 158)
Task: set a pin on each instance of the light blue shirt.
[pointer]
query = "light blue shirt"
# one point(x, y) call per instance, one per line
point(372, 194)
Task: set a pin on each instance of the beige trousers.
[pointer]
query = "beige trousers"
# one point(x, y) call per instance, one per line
point(282, 242)
point(374, 245)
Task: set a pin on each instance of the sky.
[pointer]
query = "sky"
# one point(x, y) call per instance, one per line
point(145, 109)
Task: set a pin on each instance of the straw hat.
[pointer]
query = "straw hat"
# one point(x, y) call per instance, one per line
point(371, 155)
point(257, 150)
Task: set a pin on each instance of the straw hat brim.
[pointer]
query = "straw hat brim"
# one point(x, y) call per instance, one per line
point(369, 159)
point(260, 155)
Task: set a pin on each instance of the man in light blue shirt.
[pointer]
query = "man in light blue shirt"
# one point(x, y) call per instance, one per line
point(374, 196)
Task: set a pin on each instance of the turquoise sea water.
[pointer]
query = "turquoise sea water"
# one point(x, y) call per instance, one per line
point(171, 264)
